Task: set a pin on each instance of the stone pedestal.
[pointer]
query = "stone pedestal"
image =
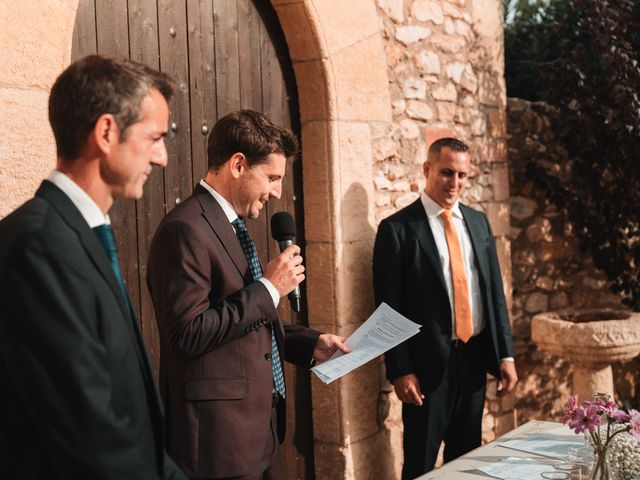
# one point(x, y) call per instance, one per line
point(591, 340)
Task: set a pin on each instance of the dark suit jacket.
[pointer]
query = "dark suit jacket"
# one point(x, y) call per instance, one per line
point(408, 276)
point(77, 397)
point(214, 323)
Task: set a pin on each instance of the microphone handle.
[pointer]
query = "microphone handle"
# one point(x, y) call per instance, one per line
point(294, 295)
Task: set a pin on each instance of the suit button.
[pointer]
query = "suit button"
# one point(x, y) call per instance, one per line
point(267, 356)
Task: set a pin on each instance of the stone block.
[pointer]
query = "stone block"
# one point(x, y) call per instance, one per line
point(393, 8)
point(302, 31)
point(409, 129)
point(27, 147)
point(447, 43)
point(428, 62)
point(370, 461)
point(454, 71)
point(491, 149)
point(427, 11)
point(445, 93)
point(346, 23)
point(355, 293)
point(332, 460)
point(498, 215)
point(355, 173)
point(503, 250)
point(36, 42)
point(537, 302)
point(318, 150)
point(446, 112)
point(522, 207)
point(361, 390)
point(412, 34)
point(317, 100)
point(419, 110)
point(414, 87)
point(505, 423)
point(321, 284)
point(500, 182)
point(497, 122)
point(361, 82)
point(327, 401)
point(487, 18)
point(431, 134)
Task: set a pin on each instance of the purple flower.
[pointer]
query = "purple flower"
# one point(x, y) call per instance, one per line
point(609, 408)
point(620, 417)
point(634, 421)
point(570, 408)
point(585, 418)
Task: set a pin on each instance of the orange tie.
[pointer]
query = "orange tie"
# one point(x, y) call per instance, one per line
point(461, 303)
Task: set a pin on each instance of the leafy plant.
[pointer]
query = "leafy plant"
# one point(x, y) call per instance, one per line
point(592, 76)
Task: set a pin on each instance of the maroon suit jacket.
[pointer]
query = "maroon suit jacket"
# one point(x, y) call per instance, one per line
point(215, 331)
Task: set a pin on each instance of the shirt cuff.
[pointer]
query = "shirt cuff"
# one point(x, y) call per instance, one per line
point(275, 295)
point(507, 359)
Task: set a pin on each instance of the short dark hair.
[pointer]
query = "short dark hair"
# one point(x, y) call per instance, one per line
point(252, 134)
point(96, 85)
point(449, 142)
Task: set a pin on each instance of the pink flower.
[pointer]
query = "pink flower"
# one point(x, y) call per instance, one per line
point(584, 418)
point(620, 417)
point(634, 422)
point(609, 408)
point(570, 408)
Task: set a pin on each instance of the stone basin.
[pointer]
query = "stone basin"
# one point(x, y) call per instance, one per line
point(591, 340)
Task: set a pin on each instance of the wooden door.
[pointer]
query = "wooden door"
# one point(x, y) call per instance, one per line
point(223, 55)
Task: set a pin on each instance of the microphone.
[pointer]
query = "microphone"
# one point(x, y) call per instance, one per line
point(283, 229)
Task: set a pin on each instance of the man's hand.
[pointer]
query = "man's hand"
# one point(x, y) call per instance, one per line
point(407, 389)
point(327, 344)
point(509, 377)
point(285, 271)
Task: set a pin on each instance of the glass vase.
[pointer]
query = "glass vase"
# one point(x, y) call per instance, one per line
point(601, 469)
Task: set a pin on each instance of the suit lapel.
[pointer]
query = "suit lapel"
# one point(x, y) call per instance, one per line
point(219, 223)
point(95, 251)
point(478, 234)
point(419, 224)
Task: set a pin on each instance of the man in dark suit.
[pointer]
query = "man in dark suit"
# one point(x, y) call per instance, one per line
point(435, 262)
point(77, 397)
point(222, 341)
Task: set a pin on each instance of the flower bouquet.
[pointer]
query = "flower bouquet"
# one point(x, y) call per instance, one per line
point(603, 422)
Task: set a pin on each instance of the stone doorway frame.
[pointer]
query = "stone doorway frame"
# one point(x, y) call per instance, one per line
point(340, 65)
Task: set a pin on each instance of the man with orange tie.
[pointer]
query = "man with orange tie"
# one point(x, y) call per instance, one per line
point(435, 262)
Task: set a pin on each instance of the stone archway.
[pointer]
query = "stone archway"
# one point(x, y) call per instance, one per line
point(341, 73)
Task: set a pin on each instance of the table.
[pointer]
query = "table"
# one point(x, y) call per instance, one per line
point(465, 466)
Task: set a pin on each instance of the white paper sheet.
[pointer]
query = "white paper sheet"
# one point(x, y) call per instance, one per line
point(513, 468)
point(384, 329)
point(547, 445)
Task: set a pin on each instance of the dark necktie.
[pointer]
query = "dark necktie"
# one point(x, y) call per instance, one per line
point(108, 241)
point(251, 254)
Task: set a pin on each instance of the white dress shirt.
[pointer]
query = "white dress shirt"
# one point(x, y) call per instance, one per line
point(231, 214)
point(83, 202)
point(436, 223)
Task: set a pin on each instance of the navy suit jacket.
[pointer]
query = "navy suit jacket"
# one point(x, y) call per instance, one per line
point(407, 274)
point(77, 395)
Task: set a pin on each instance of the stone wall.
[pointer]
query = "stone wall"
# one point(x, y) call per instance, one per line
point(549, 271)
point(36, 46)
point(445, 66)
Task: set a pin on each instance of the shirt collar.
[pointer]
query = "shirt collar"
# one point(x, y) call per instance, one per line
point(83, 202)
point(227, 208)
point(432, 209)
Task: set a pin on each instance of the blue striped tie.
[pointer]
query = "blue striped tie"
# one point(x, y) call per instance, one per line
point(108, 241)
point(251, 254)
